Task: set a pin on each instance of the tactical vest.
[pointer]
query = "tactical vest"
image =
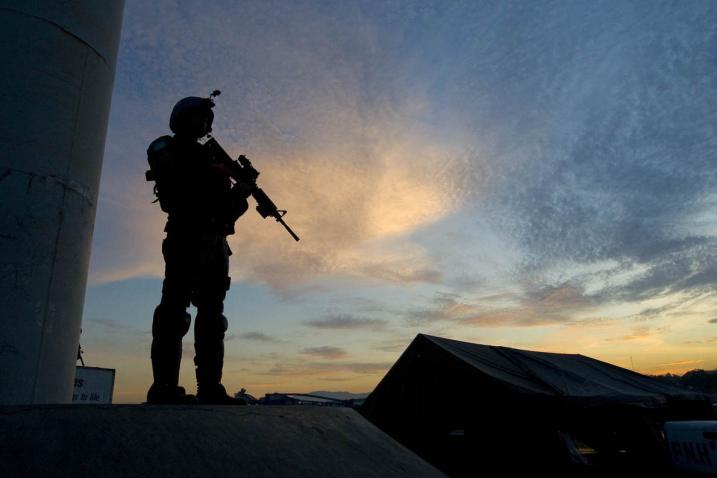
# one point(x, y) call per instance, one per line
point(195, 197)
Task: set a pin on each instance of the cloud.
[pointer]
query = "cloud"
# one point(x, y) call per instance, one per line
point(350, 138)
point(113, 326)
point(325, 352)
point(337, 145)
point(352, 228)
point(676, 305)
point(568, 155)
point(683, 363)
point(592, 322)
point(259, 337)
point(544, 306)
point(638, 333)
point(393, 345)
point(110, 324)
point(587, 164)
point(686, 266)
point(446, 307)
point(653, 312)
point(347, 322)
point(710, 340)
point(326, 368)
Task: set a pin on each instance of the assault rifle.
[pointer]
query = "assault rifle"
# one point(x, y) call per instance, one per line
point(242, 170)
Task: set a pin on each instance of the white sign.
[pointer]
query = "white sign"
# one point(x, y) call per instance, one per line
point(93, 385)
point(693, 445)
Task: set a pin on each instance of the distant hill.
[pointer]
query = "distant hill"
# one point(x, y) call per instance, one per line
point(340, 395)
point(704, 381)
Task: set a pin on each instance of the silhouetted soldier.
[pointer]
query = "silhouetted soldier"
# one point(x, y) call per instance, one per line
point(202, 205)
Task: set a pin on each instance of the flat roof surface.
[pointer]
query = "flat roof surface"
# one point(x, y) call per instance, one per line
point(184, 440)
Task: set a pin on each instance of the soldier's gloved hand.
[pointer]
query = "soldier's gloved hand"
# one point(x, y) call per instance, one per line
point(239, 206)
point(242, 190)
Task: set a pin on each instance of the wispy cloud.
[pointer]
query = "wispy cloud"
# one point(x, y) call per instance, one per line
point(325, 352)
point(259, 337)
point(114, 326)
point(545, 306)
point(653, 312)
point(641, 332)
point(347, 322)
point(683, 363)
point(393, 345)
point(710, 340)
point(377, 155)
point(350, 159)
point(327, 368)
point(537, 183)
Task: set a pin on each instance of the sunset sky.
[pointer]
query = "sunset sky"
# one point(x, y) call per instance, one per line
point(539, 175)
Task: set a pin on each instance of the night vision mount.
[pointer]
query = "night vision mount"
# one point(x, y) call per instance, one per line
point(213, 95)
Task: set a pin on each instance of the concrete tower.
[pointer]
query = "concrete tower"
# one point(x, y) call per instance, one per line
point(58, 67)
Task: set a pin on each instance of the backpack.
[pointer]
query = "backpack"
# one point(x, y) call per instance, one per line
point(159, 156)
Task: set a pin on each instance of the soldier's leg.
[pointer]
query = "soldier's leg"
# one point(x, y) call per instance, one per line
point(210, 324)
point(171, 322)
point(209, 329)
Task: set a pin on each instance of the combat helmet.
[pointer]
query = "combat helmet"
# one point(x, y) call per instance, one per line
point(192, 116)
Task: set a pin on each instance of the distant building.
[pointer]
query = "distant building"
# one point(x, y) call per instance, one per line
point(248, 398)
point(307, 399)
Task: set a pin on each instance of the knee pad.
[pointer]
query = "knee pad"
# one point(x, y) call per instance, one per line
point(210, 326)
point(170, 322)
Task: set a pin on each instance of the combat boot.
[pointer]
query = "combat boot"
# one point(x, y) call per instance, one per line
point(216, 394)
point(169, 395)
point(209, 331)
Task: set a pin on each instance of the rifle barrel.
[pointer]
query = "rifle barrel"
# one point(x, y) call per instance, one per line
point(281, 221)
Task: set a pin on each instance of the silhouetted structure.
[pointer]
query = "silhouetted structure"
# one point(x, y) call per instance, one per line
point(307, 399)
point(245, 397)
point(698, 380)
point(58, 68)
point(519, 410)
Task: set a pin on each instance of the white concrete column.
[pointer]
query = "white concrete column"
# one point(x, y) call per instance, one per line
point(58, 60)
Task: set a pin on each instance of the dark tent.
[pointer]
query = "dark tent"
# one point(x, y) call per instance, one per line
point(465, 406)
